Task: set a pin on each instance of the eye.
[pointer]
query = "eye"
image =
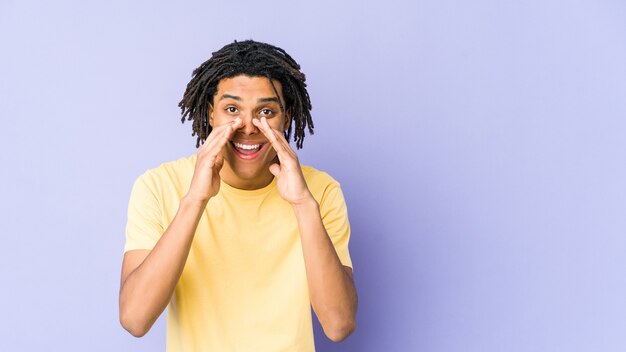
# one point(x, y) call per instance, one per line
point(266, 112)
point(231, 109)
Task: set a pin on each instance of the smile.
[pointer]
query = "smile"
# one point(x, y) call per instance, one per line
point(247, 146)
point(247, 151)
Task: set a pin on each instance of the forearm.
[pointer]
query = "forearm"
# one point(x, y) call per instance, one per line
point(331, 288)
point(147, 290)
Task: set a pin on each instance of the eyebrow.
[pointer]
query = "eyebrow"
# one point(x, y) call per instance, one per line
point(227, 96)
point(265, 100)
point(260, 100)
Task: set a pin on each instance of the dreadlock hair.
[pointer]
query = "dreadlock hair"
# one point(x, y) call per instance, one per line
point(252, 59)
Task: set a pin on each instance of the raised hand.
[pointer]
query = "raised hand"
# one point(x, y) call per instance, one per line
point(206, 176)
point(289, 179)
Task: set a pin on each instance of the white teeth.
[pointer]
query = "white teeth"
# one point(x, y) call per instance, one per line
point(247, 146)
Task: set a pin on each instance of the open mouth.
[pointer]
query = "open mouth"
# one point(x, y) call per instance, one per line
point(247, 151)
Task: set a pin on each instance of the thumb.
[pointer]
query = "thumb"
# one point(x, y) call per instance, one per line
point(219, 162)
point(275, 169)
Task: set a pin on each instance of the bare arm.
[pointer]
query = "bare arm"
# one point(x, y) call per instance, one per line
point(150, 276)
point(331, 286)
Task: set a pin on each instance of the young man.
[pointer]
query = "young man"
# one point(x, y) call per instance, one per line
point(240, 239)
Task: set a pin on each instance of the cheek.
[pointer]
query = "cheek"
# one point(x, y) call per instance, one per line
point(277, 124)
point(271, 153)
point(220, 119)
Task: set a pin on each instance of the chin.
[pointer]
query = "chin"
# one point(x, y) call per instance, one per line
point(248, 170)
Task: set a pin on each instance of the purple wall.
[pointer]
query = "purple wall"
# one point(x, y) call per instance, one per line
point(480, 145)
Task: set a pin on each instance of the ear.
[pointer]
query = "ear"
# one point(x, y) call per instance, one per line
point(287, 120)
point(210, 113)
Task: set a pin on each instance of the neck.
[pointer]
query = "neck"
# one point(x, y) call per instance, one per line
point(246, 182)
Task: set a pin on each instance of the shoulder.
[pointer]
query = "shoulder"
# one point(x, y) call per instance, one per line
point(317, 177)
point(319, 182)
point(328, 194)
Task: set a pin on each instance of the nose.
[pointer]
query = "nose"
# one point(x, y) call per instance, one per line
point(247, 127)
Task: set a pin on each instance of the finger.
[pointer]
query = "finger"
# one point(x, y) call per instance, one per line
point(228, 131)
point(222, 140)
point(275, 169)
point(216, 132)
point(264, 130)
point(213, 152)
point(221, 134)
point(286, 155)
point(285, 152)
point(235, 125)
point(272, 136)
point(280, 136)
point(215, 138)
point(235, 121)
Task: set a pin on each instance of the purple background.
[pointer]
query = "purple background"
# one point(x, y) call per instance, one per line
point(480, 146)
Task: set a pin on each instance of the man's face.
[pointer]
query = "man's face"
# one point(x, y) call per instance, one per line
point(248, 154)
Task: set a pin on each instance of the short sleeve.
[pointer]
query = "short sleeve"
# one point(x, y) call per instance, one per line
point(335, 218)
point(144, 226)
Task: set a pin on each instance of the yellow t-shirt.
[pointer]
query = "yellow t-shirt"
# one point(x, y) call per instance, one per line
point(244, 285)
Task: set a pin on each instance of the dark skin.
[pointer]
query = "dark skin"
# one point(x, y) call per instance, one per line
point(246, 111)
